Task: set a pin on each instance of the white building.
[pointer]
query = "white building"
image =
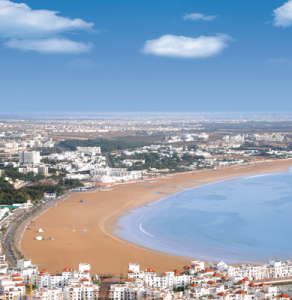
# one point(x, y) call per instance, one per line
point(48, 294)
point(79, 289)
point(114, 174)
point(45, 279)
point(43, 169)
point(31, 157)
point(89, 150)
point(26, 170)
point(129, 162)
point(167, 280)
point(77, 176)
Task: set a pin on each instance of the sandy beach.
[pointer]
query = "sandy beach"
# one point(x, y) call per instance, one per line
point(83, 231)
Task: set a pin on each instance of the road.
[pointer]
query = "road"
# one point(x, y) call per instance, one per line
point(28, 218)
point(105, 285)
point(8, 247)
point(109, 161)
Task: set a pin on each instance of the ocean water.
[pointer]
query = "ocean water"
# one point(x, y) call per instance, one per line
point(245, 219)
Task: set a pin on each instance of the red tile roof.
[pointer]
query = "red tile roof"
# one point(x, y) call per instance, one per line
point(151, 270)
point(240, 292)
point(221, 294)
point(209, 270)
point(129, 279)
point(284, 296)
point(130, 271)
point(193, 284)
point(67, 270)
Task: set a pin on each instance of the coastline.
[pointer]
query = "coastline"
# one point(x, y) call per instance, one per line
point(99, 245)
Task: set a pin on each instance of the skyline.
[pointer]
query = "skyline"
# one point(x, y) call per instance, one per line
point(166, 56)
point(147, 114)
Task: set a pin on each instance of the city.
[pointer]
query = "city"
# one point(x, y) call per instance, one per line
point(145, 150)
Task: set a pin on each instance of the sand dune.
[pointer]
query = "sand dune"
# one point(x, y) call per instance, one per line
point(94, 219)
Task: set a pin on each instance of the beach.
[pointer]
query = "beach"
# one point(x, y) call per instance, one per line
point(83, 231)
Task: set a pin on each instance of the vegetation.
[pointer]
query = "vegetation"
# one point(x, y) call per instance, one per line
point(37, 192)
point(179, 289)
point(71, 183)
point(30, 176)
point(9, 195)
point(48, 151)
point(153, 160)
point(49, 161)
point(105, 145)
point(187, 158)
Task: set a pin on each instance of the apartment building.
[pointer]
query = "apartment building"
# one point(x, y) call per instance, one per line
point(30, 157)
point(77, 289)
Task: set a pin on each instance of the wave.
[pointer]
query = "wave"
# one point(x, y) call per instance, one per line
point(256, 176)
point(144, 231)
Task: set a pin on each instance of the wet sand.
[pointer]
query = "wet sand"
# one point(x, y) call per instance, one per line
point(98, 215)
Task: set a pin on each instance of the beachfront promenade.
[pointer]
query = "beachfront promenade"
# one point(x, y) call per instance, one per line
point(16, 230)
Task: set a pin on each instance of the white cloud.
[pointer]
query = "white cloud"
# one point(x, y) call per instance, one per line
point(186, 47)
point(39, 29)
point(197, 16)
point(51, 46)
point(283, 15)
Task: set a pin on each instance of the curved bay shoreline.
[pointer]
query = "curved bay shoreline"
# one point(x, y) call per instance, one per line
point(98, 215)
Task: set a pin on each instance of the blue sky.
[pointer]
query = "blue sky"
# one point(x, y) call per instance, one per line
point(145, 55)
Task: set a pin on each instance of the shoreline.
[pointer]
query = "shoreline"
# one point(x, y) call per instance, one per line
point(104, 249)
point(112, 224)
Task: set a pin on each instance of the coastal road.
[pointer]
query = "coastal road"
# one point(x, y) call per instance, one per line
point(8, 247)
point(28, 218)
point(105, 285)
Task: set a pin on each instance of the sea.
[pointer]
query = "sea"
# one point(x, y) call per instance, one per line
point(241, 220)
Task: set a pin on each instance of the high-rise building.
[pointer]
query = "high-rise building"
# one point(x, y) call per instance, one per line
point(43, 170)
point(31, 157)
